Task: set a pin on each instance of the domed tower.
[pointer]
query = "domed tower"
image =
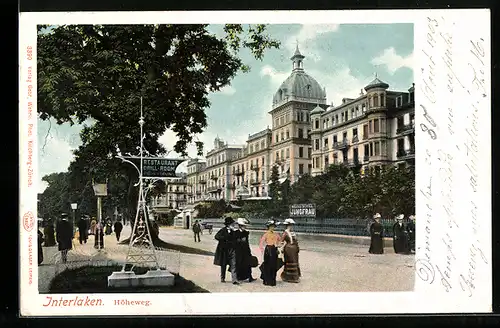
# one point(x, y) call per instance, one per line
point(292, 104)
point(377, 120)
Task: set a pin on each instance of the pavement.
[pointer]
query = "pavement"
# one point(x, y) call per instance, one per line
point(326, 265)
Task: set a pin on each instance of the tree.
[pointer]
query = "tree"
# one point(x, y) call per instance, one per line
point(99, 73)
point(274, 186)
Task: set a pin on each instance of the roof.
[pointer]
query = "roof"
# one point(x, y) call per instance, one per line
point(317, 110)
point(299, 84)
point(376, 83)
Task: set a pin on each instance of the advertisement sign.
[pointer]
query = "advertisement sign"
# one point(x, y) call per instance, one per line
point(303, 210)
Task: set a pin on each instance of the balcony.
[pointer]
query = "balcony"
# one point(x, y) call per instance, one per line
point(198, 192)
point(341, 144)
point(325, 148)
point(365, 136)
point(406, 129)
point(239, 172)
point(254, 167)
point(366, 158)
point(214, 177)
point(355, 139)
point(202, 181)
point(406, 153)
point(178, 191)
point(214, 189)
point(352, 162)
point(254, 181)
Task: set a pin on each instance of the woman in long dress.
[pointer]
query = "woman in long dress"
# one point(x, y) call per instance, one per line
point(291, 272)
point(377, 236)
point(269, 247)
point(243, 252)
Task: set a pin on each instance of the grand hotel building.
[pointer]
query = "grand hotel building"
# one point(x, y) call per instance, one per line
point(306, 136)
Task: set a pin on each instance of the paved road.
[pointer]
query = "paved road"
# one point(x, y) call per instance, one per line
point(325, 266)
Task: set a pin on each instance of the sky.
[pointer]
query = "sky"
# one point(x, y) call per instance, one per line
point(342, 58)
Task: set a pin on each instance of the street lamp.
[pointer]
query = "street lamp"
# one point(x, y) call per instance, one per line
point(74, 206)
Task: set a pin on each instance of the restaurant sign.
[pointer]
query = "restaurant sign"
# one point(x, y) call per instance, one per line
point(156, 167)
point(303, 210)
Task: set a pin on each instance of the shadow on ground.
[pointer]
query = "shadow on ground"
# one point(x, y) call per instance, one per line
point(94, 279)
point(160, 244)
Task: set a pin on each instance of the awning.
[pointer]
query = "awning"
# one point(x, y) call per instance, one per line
point(259, 198)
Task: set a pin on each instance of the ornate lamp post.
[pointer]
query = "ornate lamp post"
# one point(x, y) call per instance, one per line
point(74, 207)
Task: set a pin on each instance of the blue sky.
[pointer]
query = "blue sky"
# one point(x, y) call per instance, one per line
point(342, 58)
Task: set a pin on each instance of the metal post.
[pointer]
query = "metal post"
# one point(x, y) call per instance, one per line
point(74, 222)
point(99, 214)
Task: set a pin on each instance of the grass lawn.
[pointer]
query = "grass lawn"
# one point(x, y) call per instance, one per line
point(91, 279)
point(183, 249)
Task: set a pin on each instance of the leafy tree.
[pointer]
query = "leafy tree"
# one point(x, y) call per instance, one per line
point(99, 73)
point(274, 183)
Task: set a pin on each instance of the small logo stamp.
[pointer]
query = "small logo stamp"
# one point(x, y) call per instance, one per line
point(28, 221)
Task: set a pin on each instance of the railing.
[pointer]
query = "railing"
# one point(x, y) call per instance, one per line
point(178, 191)
point(405, 129)
point(350, 227)
point(404, 153)
point(340, 144)
point(254, 167)
point(214, 177)
point(355, 139)
point(214, 189)
point(352, 162)
point(238, 172)
point(365, 136)
point(254, 181)
point(202, 181)
point(366, 158)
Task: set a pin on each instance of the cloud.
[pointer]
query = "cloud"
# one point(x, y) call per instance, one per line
point(55, 157)
point(306, 38)
point(228, 90)
point(276, 77)
point(392, 60)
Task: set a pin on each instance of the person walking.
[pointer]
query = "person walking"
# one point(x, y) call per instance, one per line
point(40, 249)
point(93, 225)
point(49, 233)
point(410, 228)
point(291, 272)
point(99, 235)
point(269, 248)
point(376, 236)
point(196, 231)
point(118, 229)
point(225, 254)
point(64, 236)
point(108, 230)
point(83, 230)
point(400, 236)
point(243, 252)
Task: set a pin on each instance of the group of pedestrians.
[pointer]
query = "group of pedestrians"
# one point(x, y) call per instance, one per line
point(63, 235)
point(403, 235)
point(233, 251)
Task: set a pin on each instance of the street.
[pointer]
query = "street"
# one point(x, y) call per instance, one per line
point(326, 266)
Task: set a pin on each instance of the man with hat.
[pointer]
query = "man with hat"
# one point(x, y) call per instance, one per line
point(225, 253)
point(400, 237)
point(83, 230)
point(64, 236)
point(377, 236)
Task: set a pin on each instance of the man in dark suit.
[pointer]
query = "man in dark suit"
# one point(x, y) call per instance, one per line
point(225, 254)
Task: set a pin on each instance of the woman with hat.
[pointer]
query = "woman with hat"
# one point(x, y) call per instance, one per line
point(410, 228)
point(269, 247)
point(291, 272)
point(377, 236)
point(225, 253)
point(400, 238)
point(243, 252)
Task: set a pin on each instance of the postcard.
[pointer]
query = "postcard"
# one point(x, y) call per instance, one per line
point(255, 162)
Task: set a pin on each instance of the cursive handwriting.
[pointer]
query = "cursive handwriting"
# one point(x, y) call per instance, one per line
point(431, 121)
point(425, 270)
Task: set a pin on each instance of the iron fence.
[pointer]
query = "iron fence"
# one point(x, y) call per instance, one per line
point(338, 226)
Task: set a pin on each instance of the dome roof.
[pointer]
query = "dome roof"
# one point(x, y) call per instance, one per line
point(317, 110)
point(299, 83)
point(376, 84)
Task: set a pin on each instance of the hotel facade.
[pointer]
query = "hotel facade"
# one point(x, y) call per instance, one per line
point(306, 136)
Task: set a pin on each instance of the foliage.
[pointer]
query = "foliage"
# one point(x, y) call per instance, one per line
point(167, 220)
point(212, 210)
point(102, 74)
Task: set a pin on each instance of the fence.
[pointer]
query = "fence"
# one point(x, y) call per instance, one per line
point(339, 226)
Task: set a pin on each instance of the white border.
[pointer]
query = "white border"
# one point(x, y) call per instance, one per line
point(473, 235)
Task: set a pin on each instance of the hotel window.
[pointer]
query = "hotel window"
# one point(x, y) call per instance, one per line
point(301, 133)
point(375, 100)
point(363, 108)
point(412, 118)
point(376, 127)
point(382, 100)
point(371, 148)
point(307, 117)
point(326, 143)
point(251, 148)
point(282, 135)
point(262, 144)
point(288, 153)
point(317, 162)
point(352, 113)
point(316, 144)
point(277, 156)
point(301, 152)
point(287, 134)
point(309, 150)
point(277, 138)
point(316, 124)
point(276, 122)
point(335, 139)
point(354, 132)
point(282, 153)
point(308, 134)
point(344, 136)
point(335, 158)
point(301, 116)
point(301, 168)
point(400, 122)
point(326, 162)
point(342, 117)
point(367, 150)
point(298, 117)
